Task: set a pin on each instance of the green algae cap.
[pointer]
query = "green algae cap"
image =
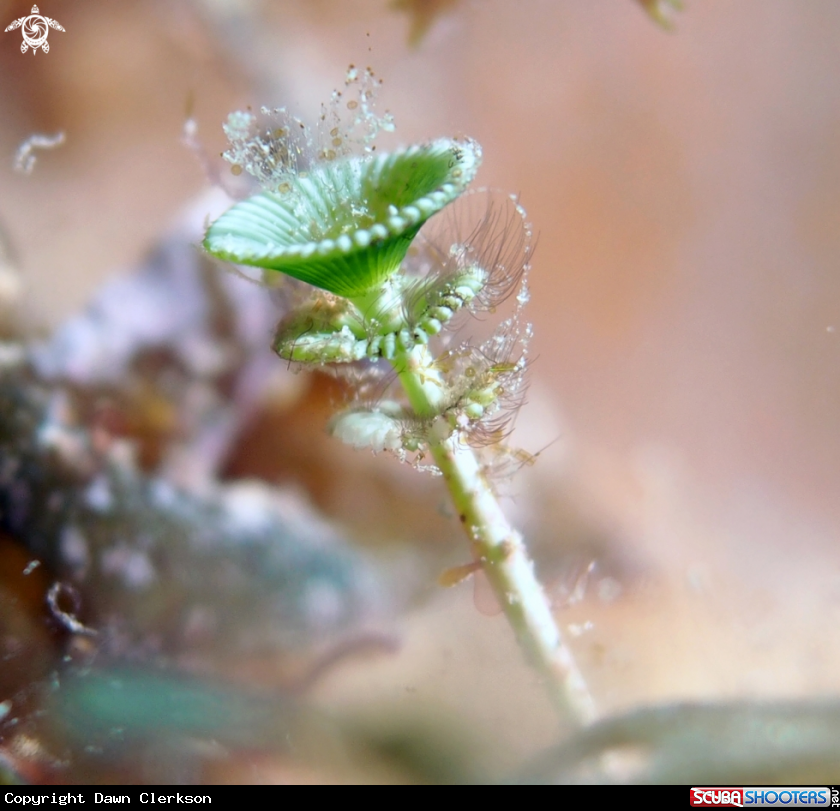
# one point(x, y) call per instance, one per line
point(346, 225)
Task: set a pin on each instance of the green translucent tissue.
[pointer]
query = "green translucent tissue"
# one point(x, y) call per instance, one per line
point(346, 225)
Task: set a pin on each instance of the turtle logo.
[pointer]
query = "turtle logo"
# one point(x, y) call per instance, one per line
point(35, 30)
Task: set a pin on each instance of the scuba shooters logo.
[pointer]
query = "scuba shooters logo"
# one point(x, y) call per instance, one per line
point(35, 30)
point(764, 796)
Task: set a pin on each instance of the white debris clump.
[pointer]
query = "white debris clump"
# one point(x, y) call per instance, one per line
point(25, 157)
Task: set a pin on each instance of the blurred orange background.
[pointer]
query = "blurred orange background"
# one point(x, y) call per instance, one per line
point(685, 187)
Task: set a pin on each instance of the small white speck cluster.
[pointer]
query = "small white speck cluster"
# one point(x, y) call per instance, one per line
point(277, 147)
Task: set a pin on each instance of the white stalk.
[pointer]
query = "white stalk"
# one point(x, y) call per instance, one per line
point(497, 545)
